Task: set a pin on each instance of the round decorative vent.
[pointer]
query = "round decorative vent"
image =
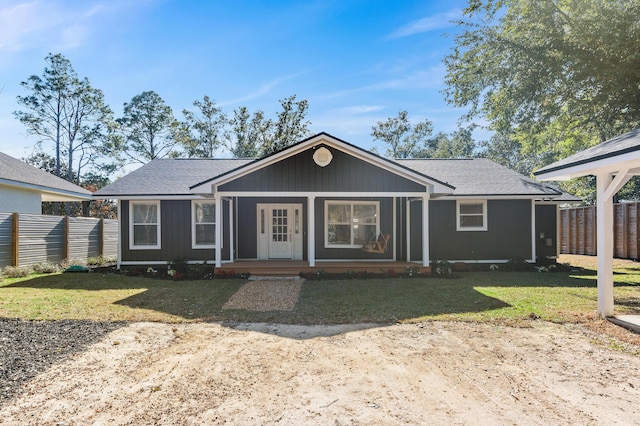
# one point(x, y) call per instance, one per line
point(322, 156)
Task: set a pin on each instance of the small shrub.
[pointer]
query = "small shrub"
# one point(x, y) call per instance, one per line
point(440, 267)
point(16, 271)
point(179, 265)
point(494, 267)
point(412, 271)
point(46, 268)
point(517, 264)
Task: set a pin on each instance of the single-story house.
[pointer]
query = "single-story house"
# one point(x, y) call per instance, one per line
point(23, 187)
point(323, 199)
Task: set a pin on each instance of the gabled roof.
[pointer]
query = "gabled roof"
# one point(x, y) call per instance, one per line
point(609, 156)
point(168, 177)
point(480, 177)
point(325, 139)
point(18, 174)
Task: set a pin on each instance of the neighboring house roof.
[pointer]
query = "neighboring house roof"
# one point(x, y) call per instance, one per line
point(169, 177)
point(480, 177)
point(614, 153)
point(18, 174)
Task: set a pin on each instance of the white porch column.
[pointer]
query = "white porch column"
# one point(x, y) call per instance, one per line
point(311, 230)
point(408, 230)
point(219, 226)
point(606, 189)
point(231, 233)
point(425, 231)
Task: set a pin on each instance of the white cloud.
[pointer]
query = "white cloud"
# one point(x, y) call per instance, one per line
point(263, 90)
point(61, 24)
point(429, 23)
point(430, 78)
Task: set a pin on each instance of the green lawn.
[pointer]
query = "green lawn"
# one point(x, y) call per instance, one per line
point(472, 296)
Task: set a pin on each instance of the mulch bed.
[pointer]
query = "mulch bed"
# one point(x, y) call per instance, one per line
point(28, 348)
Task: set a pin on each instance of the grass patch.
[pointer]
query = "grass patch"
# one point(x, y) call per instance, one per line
point(474, 296)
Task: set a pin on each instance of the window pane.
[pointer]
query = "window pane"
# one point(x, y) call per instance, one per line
point(145, 235)
point(363, 233)
point(339, 234)
point(364, 213)
point(205, 213)
point(145, 213)
point(471, 208)
point(339, 213)
point(471, 221)
point(205, 234)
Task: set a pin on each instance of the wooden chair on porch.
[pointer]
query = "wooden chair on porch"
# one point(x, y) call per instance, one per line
point(377, 244)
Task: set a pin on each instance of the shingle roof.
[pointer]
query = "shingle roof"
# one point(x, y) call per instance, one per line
point(470, 177)
point(480, 176)
point(17, 173)
point(619, 145)
point(169, 177)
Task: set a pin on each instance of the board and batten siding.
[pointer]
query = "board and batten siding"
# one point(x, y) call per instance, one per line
point(508, 233)
point(175, 238)
point(345, 173)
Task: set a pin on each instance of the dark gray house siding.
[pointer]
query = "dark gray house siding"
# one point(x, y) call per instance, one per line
point(508, 233)
point(345, 173)
point(247, 227)
point(546, 231)
point(247, 223)
point(175, 223)
point(386, 227)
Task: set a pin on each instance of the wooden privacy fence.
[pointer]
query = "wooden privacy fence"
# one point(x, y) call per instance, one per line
point(29, 239)
point(578, 230)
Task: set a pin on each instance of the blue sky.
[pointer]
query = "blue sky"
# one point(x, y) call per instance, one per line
point(356, 62)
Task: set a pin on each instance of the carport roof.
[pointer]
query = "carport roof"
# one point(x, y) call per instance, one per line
point(610, 154)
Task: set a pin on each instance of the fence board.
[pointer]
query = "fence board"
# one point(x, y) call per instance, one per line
point(6, 238)
point(43, 238)
point(578, 230)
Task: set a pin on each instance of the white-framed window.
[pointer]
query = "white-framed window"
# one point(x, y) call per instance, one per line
point(203, 224)
point(350, 224)
point(471, 215)
point(144, 225)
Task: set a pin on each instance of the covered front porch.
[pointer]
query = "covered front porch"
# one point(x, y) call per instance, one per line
point(282, 268)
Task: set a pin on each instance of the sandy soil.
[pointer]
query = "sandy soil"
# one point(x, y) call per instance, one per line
point(431, 373)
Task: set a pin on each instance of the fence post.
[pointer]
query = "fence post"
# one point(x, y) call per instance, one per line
point(66, 238)
point(15, 233)
point(101, 254)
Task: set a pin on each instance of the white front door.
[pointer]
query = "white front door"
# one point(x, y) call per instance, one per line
point(279, 231)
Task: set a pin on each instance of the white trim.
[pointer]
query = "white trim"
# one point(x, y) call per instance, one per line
point(150, 197)
point(231, 241)
point(484, 226)
point(324, 139)
point(168, 262)
point(194, 245)
point(322, 194)
point(533, 231)
point(408, 228)
point(609, 165)
point(351, 203)
point(218, 251)
point(393, 227)
point(425, 231)
point(118, 210)
point(604, 244)
point(498, 197)
point(132, 245)
point(311, 233)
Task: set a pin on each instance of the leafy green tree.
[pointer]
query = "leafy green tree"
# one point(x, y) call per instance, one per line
point(147, 130)
point(403, 139)
point(526, 64)
point(203, 132)
point(257, 136)
point(67, 111)
point(459, 144)
point(250, 133)
point(290, 127)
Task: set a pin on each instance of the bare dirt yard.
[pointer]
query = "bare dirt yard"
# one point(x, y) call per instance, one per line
point(427, 373)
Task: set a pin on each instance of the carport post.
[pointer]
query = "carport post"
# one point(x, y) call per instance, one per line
point(604, 226)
